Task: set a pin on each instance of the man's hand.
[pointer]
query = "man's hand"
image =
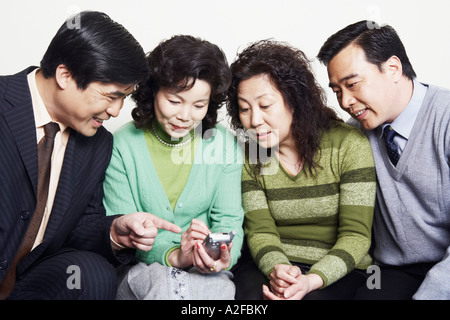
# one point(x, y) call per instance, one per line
point(138, 230)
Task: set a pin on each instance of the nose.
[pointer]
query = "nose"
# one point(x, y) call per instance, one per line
point(256, 117)
point(184, 113)
point(347, 100)
point(114, 108)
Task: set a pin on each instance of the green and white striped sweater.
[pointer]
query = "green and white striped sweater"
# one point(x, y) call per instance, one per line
point(324, 221)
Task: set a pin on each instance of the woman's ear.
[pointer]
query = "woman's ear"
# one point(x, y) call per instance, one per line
point(63, 76)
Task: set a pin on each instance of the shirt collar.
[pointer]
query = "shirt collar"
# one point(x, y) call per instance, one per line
point(41, 115)
point(404, 123)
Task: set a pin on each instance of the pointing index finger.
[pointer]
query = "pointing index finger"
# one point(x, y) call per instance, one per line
point(166, 225)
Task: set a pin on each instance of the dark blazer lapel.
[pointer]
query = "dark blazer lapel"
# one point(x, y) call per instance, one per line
point(20, 120)
point(69, 184)
point(65, 190)
point(63, 203)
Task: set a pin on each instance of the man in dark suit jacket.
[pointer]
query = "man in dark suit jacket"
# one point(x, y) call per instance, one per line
point(84, 77)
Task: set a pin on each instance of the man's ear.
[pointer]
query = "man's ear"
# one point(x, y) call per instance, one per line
point(393, 66)
point(63, 76)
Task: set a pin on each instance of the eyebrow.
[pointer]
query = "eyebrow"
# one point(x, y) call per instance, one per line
point(181, 98)
point(331, 84)
point(119, 93)
point(256, 98)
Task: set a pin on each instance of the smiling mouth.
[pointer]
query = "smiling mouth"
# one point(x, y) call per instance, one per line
point(178, 127)
point(359, 113)
point(263, 135)
point(98, 122)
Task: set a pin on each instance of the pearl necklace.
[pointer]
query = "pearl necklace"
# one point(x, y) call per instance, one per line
point(173, 145)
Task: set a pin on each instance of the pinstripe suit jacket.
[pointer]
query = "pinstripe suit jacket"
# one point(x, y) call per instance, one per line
point(78, 219)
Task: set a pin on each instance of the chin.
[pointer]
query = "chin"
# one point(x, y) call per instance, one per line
point(87, 132)
point(178, 134)
point(368, 125)
point(266, 144)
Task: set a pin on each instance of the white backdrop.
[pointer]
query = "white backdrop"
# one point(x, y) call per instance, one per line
point(27, 26)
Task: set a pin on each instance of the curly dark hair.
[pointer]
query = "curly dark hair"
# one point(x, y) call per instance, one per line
point(175, 64)
point(290, 72)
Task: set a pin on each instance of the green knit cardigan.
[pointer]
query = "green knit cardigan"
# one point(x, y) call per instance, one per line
point(212, 192)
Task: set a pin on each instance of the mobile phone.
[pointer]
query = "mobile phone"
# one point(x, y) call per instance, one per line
point(213, 241)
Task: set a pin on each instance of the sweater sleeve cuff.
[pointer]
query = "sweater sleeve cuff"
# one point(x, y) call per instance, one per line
point(320, 274)
point(166, 259)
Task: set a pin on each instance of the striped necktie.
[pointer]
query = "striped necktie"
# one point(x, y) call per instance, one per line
point(391, 146)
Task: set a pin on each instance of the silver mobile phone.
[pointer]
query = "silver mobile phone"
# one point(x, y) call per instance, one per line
point(213, 241)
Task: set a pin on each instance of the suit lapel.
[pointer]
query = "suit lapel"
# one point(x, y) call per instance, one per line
point(69, 184)
point(64, 197)
point(20, 120)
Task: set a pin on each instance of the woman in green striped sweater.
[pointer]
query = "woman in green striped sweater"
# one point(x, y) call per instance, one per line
point(308, 187)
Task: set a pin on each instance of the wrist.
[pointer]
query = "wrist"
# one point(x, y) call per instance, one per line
point(115, 243)
point(173, 257)
point(177, 259)
point(315, 281)
point(169, 262)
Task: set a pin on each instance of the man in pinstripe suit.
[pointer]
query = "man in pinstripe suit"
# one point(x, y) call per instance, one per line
point(84, 76)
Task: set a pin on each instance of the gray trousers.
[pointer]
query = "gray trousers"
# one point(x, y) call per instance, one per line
point(157, 282)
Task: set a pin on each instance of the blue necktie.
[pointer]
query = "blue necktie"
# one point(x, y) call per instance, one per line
point(391, 146)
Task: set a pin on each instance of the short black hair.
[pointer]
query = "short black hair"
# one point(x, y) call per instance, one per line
point(176, 64)
point(378, 42)
point(97, 49)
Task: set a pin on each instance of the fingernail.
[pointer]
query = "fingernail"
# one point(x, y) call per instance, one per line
point(198, 245)
point(223, 246)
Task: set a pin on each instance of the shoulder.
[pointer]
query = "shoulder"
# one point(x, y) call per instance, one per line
point(103, 134)
point(220, 146)
point(341, 134)
point(221, 143)
point(348, 145)
point(438, 99)
point(438, 92)
point(127, 129)
point(21, 74)
point(127, 134)
point(102, 138)
point(434, 114)
point(220, 134)
point(14, 88)
point(98, 147)
point(3, 83)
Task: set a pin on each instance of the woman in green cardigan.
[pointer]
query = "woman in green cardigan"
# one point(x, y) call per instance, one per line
point(176, 162)
point(309, 194)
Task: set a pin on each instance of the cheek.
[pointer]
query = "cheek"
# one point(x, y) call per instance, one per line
point(199, 115)
point(89, 106)
point(80, 110)
point(244, 120)
point(161, 112)
point(283, 126)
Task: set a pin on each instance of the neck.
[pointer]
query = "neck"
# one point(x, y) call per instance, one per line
point(47, 89)
point(164, 136)
point(289, 158)
point(404, 93)
point(287, 149)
